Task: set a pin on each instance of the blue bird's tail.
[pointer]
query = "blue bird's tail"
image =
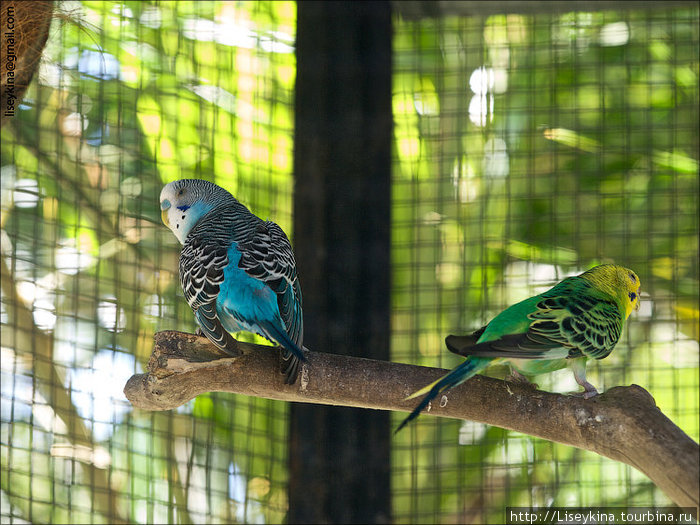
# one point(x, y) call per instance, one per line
point(458, 375)
point(292, 355)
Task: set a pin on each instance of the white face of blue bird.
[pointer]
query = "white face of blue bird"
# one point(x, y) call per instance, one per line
point(183, 203)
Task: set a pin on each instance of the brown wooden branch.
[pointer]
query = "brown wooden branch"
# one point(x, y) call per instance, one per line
point(623, 424)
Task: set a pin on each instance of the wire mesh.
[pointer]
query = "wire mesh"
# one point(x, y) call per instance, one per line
point(528, 148)
point(130, 96)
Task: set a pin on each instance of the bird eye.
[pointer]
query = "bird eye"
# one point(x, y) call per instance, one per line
point(633, 296)
point(182, 190)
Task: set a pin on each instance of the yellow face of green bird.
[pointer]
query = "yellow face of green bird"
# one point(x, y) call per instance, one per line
point(617, 281)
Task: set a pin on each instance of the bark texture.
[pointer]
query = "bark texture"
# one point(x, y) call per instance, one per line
point(623, 423)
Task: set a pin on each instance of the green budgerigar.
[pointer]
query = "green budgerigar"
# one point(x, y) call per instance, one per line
point(578, 318)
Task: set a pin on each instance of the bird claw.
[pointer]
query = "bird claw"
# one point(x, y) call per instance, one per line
point(586, 394)
point(520, 379)
point(231, 343)
point(232, 349)
point(589, 390)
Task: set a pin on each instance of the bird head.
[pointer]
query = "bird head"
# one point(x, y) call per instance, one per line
point(184, 202)
point(622, 283)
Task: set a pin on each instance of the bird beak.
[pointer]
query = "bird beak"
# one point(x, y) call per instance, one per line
point(164, 207)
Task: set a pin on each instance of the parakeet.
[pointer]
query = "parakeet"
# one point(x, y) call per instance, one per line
point(237, 271)
point(578, 318)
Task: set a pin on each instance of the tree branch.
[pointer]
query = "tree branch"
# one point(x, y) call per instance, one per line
point(623, 424)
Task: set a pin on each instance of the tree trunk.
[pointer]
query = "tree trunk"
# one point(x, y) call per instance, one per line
point(339, 457)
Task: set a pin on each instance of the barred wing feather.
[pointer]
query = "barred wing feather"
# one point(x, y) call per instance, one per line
point(268, 257)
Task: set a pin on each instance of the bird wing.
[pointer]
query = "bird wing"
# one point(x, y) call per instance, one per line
point(461, 344)
point(589, 323)
point(267, 256)
point(570, 320)
point(201, 273)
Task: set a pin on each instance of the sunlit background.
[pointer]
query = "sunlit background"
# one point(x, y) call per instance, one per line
point(528, 147)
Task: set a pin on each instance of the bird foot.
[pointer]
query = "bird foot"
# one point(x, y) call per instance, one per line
point(232, 348)
point(518, 378)
point(586, 394)
point(230, 344)
point(589, 390)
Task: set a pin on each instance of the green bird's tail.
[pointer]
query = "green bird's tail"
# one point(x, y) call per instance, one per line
point(458, 375)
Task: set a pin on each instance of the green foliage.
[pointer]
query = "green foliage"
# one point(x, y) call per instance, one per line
point(133, 95)
point(530, 148)
point(575, 143)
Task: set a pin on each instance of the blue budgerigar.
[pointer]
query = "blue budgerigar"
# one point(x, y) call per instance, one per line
point(578, 318)
point(237, 271)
